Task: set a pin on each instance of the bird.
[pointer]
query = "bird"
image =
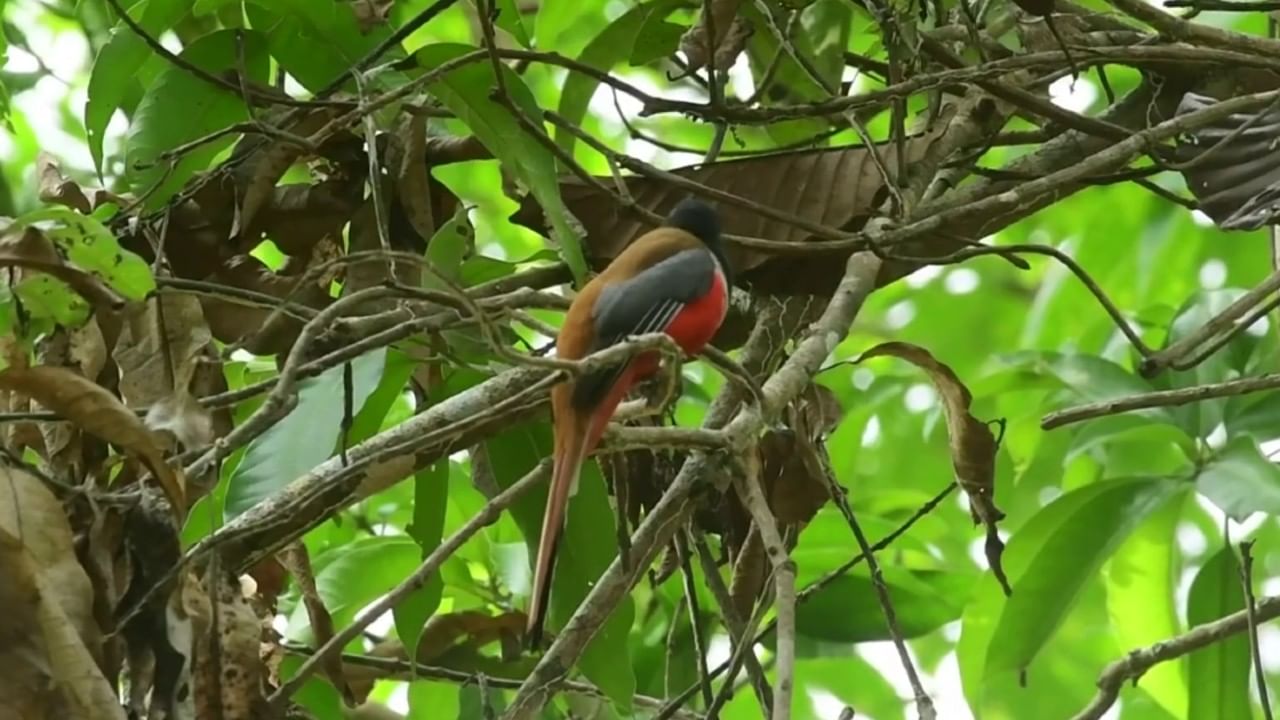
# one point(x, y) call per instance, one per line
point(673, 279)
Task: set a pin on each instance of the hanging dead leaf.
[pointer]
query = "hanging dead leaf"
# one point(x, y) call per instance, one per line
point(98, 412)
point(158, 359)
point(973, 446)
point(31, 250)
point(300, 216)
point(54, 187)
point(50, 646)
point(181, 416)
point(229, 670)
point(296, 560)
point(731, 30)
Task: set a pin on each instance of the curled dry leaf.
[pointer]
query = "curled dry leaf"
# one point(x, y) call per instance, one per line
point(31, 250)
point(232, 322)
point(731, 36)
point(50, 645)
point(1236, 171)
point(54, 187)
point(371, 14)
point(157, 359)
point(296, 560)
point(973, 446)
point(98, 412)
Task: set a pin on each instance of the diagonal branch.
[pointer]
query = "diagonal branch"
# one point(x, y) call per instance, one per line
point(1136, 663)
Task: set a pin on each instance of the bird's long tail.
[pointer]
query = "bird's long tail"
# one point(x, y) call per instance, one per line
point(570, 451)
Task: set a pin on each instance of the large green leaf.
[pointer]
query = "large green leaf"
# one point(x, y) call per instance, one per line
point(430, 501)
point(391, 387)
point(466, 92)
point(116, 70)
point(848, 609)
point(304, 438)
point(92, 247)
point(586, 550)
point(316, 42)
point(179, 107)
point(1053, 555)
point(613, 45)
point(1241, 481)
point(1141, 579)
point(1220, 672)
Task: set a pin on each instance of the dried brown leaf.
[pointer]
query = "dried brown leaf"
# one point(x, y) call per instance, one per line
point(296, 560)
point(228, 672)
point(232, 322)
point(31, 250)
point(54, 187)
point(299, 217)
point(836, 187)
point(973, 445)
point(50, 645)
point(732, 32)
point(158, 361)
point(98, 412)
point(1236, 171)
point(262, 162)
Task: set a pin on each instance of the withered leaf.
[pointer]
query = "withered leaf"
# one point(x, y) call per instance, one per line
point(731, 36)
point(31, 250)
point(54, 187)
point(95, 410)
point(50, 645)
point(231, 661)
point(973, 445)
point(297, 561)
point(836, 187)
point(1234, 170)
point(155, 361)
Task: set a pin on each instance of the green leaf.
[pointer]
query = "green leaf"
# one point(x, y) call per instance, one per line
point(1059, 549)
point(316, 42)
point(1219, 672)
point(430, 501)
point(466, 91)
point(434, 699)
point(448, 248)
point(115, 72)
point(658, 38)
point(372, 416)
point(847, 610)
point(614, 44)
point(586, 550)
point(304, 438)
point(1240, 481)
point(510, 20)
point(351, 576)
point(179, 107)
point(1141, 580)
point(92, 247)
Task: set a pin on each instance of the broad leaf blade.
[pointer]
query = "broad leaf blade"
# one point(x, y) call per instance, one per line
point(202, 107)
point(1240, 481)
point(466, 92)
point(430, 501)
point(1219, 672)
point(1063, 546)
point(304, 438)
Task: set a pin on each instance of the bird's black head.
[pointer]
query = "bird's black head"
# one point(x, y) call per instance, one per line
point(699, 220)
point(696, 218)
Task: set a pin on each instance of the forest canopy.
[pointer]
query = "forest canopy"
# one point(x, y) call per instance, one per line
point(988, 429)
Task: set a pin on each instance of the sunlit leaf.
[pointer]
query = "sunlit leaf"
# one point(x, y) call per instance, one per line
point(1240, 481)
point(304, 438)
point(1220, 672)
point(1060, 548)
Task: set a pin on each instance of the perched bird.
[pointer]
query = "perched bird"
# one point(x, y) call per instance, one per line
point(673, 279)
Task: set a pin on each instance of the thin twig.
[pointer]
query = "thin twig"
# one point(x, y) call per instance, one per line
point(1251, 607)
point(487, 515)
point(1160, 398)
